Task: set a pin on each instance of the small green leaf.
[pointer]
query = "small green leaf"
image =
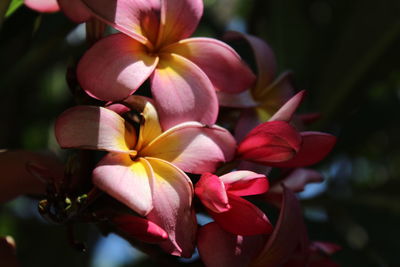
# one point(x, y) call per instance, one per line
point(15, 4)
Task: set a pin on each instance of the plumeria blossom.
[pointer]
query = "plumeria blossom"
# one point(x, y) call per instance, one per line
point(73, 9)
point(222, 198)
point(145, 171)
point(184, 72)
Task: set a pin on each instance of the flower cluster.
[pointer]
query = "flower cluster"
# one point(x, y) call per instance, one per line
point(164, 158)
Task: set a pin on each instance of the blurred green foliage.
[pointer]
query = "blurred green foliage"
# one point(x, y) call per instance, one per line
point(345, 53)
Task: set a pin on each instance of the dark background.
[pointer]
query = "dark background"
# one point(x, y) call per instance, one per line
point(344, 53)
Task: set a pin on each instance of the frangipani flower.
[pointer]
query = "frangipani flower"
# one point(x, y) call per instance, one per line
point(145, 172)
point(75, 10)
point(222, 198)
point(184, 72)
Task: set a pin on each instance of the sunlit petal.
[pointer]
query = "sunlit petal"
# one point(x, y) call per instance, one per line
point(179, 19)
point(275, 141)
point(46, 6)
point(126, 180)
point(212, 193)
point(183, 92)
point(245, 183)
point(115, 67)
point(150, 127)
point(243, 218)
point(136, 18)
point(92, 127)
point(193, 147)
point(286, 112)
point(172, 199)
point(218, 60)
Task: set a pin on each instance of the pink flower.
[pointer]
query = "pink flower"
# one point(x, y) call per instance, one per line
point(145, 171)
point(222, 198)
point(184, 72)
point(73, 9)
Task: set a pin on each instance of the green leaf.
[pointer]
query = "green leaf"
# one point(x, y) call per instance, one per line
point(15, 4)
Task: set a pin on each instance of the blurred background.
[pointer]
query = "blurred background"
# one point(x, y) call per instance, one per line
point(344, 53)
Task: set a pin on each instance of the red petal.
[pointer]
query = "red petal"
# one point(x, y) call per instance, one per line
point(269, 142)
point(314, 148)
point(288, 234)
point(140, 228)
point(211, 191)
point(243, 218)
point(218, 248)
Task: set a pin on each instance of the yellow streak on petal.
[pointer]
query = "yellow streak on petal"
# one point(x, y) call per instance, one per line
point(150, 127)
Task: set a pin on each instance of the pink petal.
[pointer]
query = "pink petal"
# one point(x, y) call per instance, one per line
point(75, 10)
point(297, 180)
point(240, 100)
point(275, 141)
point(245, 183)
point(172, 199)
point(140, 228)
point(179, 19)
point(17, 180)
point(286, 112)
point(136, 18)
point(218, 248)
point(193, 147)
point(92, 127)
point(314, 148)
point(183, 92)
point(115, 67)
point(125, 180)
point(211, 191)
point(287, 236)
point(218, 61)
point(265, 59)
point(45, 6)
point(243, 218)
